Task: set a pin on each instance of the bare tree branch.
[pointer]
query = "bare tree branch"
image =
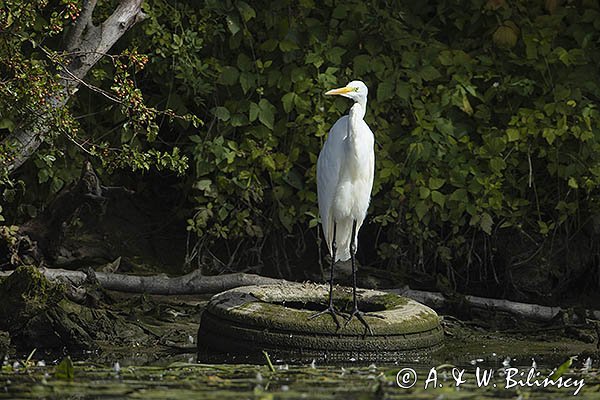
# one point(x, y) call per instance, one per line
point(85, 20)
point(98, 40)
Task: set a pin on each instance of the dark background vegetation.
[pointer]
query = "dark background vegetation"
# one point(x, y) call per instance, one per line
point(484, 112)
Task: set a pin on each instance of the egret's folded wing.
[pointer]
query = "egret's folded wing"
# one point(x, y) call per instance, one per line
point(328, 173)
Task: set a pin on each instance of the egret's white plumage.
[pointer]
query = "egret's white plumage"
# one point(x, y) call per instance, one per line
point(345, 171)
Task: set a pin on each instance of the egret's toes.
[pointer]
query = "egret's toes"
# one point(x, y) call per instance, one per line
point(333, 312)
point(359, 315)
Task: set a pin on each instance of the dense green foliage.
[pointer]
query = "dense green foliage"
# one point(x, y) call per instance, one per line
point(483, 112)
point(484, 115)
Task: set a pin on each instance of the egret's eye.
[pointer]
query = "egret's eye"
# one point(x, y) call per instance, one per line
point(355, 89)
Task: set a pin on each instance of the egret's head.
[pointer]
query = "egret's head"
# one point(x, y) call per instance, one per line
point(355, 90)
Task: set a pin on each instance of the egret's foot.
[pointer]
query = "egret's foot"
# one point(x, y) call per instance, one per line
point(334, 314)
point(360, 316)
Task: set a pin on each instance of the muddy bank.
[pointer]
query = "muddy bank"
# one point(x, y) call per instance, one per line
point(39, 314)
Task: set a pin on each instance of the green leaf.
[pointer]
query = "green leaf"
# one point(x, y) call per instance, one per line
point(544, 228)
point(314, 59)
point(424, 192)
point(246, 81)
point(466, 105)
point(239, 120)
point(43, 175)
point(287, 45)
point(444, 126)
point(335, 55)
point(385, 90)
point(65, 370)
point(294, 179)
point(573, 183)
point(362, 64)
point(436, 183)
point(429, 73)
point(497, 164)
point(254, 111)
point(269, 45)
point(459, 195)
point(244, 62)
point(421, 209)
point(56, 184)
point(513, 134)
point(445, 57)
point(403, 90)
point(268, 162)
point(6, 123)
point(563, 55)
point(549, 134)
point(486, 223)
point(531, 47)
point(246, 11)
point(266, 114)
point(229, 76)
point(222, 113)
point(203, 184)
point(288, 101)
point(223, 213)
point(233, 25)
point(340, 12)
point(298, 74)
point(438, 198)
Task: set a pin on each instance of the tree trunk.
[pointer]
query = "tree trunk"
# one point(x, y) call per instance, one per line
point(86, 43)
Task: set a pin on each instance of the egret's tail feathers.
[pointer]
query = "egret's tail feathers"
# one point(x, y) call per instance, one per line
point(343, 235)
point(342, 240)
point(343, 255)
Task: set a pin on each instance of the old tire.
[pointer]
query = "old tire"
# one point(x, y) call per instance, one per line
point(241, 323)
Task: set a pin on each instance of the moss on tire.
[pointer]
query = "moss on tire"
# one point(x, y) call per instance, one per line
point(240, 323)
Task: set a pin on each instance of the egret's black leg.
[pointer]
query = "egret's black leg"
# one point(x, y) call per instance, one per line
point(330, 309)
point(355, 311)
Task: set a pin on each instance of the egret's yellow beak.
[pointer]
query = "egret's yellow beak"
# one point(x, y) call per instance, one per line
point(342, 91)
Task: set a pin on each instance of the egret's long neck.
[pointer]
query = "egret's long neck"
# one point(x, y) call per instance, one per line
point(356, 114)
point(354, 156)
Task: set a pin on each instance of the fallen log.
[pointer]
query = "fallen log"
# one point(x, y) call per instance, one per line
point(536, 312)
point(192, 283)
point(196, 283)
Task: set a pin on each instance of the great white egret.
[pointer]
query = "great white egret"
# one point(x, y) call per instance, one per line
point(345, 170)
